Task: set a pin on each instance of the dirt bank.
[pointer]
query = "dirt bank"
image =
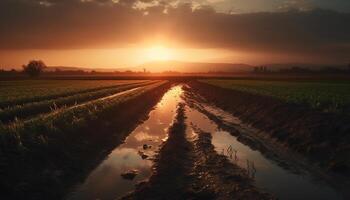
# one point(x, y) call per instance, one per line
point(186, 169)
point(49, 172)
point(172, 165)
point(324, 138)
point(217, 177)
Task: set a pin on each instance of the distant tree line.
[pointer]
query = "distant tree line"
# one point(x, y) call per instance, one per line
point(260, 69)
point(35, 68)
point(302, 70)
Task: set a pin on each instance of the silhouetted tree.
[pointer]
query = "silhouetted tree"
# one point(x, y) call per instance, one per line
point(261, 69)
point(257, 69)
point(34, 68)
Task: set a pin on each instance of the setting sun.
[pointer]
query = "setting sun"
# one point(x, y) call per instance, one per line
point(174, 99)
point(159, 53)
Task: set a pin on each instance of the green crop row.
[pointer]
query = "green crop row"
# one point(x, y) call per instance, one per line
point(38, 131)
point(31, 109)
point(26, 91)
point(326, 96)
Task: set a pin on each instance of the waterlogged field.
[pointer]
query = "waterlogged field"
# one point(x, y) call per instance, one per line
point(322, 95)
point(139, 140)
point(53, 140)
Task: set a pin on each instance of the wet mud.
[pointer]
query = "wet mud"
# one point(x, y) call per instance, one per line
point(50, 172)
point(274, 169)
point(174, 144)
point(131, 161)
point(188, 167)
point(321, 137)
point(217, 177)
point(206, 154)
point(172, 166)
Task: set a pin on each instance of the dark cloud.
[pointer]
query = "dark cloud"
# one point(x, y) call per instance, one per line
point(66, 24)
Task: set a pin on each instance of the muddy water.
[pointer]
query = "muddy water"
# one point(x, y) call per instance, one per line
point(267, 174)
point(106, 182)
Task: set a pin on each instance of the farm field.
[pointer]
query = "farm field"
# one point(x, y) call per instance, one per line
point(31, 109)
point(100, 142)
point(70, 117)
point(65, 131)
point(322, 95)
point(174, 100)
point(25, 91)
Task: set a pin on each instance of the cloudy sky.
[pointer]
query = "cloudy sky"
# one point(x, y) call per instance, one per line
point(120, 33)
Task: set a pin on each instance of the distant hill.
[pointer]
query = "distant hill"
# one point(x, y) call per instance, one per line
point(167, 66)
point(86, 69)
point(278, 66)
point(186, 67)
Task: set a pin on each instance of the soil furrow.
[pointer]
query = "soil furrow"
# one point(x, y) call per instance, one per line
point(217, 177)
point(33, 109)
point(192, 169)
point(170, 177)
point(35, 99)
point(320, 137)
point(49, 172)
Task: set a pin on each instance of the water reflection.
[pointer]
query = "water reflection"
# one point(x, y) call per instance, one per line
point(268, 174)
point(105, 182)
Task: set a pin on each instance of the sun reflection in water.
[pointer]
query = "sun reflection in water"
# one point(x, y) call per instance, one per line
point(105, 182)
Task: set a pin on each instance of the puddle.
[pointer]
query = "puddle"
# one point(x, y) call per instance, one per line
point(267, 174)
point(106, 182)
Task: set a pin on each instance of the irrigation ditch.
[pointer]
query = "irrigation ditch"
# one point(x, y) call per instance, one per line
point(48, 163)
point(170, 141)
point(191, 149)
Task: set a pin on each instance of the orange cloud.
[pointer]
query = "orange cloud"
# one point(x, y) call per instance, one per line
point(108, 24)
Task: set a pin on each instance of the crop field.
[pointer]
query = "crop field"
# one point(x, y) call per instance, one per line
point(68, 138)
point(12, 112)
point(73, 117)
point(91, 98)
point(49, 122)
point(322, 95)
point(26, 91)
point(23, 124)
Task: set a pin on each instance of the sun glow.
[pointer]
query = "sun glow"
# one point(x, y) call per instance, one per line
point(159, 53)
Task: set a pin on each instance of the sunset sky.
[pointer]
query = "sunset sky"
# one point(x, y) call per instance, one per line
point(125, 33)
